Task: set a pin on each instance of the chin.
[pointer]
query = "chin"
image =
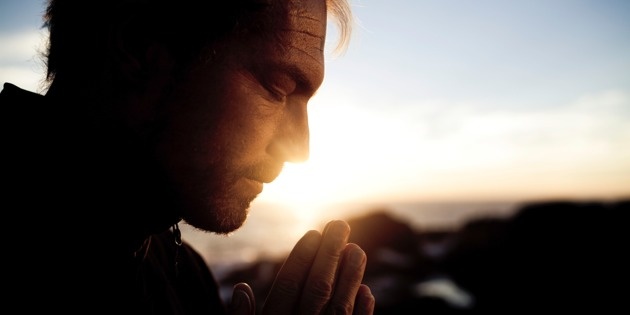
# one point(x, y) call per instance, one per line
point(221, 217)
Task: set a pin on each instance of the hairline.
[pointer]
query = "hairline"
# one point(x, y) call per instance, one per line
point(338, 12)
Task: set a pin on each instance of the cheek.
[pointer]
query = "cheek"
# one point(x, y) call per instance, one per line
point(249, 121)
point(246, 133)
point(187, 141)
point(228, 124)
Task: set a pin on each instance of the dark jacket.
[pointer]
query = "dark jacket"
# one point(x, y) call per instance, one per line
point(85, 231)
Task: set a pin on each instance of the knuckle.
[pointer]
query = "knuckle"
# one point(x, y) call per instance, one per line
point(321, 288)
point(340, 307)
point(334, 251)
point(287, 287)
point(332, 254)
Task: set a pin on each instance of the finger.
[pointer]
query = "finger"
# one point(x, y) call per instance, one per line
point(287, 288)
point(320, 283)
point(365, 301)
point(348, 281)
point(243, 301)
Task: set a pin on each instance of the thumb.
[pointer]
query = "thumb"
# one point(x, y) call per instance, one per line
point(243, 302)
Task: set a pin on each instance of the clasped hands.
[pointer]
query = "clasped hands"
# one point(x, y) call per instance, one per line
point(322, 275)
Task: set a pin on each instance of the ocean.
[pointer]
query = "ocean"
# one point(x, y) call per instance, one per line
point(271, 230)
point(488, 270)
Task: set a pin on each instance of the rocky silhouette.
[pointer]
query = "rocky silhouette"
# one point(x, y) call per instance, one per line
point(560, 256)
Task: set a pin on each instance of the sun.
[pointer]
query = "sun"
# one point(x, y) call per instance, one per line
point(309, 183)
point(305, 189)
point(344, 165)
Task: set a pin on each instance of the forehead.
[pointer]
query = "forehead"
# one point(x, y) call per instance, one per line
point(305, 31)
point(292, 36)
point(308, 17)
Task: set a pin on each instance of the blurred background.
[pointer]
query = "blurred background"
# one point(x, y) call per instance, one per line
point(439, 113)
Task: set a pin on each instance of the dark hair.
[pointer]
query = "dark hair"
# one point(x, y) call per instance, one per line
point(82, 32)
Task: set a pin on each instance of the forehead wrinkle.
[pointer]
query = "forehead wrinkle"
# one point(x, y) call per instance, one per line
point(307, 53)
point(307, 14)
point(305, 32)
point(307, 17)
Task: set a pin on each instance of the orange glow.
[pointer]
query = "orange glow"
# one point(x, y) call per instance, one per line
point(431, 154)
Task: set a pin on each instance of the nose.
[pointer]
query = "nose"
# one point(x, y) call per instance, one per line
point(291, 142)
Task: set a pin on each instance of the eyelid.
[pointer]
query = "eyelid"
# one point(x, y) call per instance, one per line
point(281, 86)
point(277, 94)
point(300, 81)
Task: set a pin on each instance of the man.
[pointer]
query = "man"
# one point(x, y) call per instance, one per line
point(157, 112)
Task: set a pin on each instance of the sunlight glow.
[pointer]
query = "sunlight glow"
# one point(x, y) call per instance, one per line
point(345, 160)
point(455, 152)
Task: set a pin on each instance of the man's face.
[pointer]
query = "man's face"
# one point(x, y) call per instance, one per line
point(232, 124)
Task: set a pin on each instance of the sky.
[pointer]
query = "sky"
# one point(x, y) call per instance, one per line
point(438, 100)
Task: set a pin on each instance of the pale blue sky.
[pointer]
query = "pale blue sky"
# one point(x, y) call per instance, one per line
point(450, 99)
point(526, 53)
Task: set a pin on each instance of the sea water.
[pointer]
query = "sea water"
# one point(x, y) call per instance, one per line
point(271, 230)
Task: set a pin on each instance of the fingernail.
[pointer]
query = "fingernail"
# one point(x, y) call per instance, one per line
point(339, 227)
point(325, 230)
point(368, 298)
point(240, 300)
point(357, 257)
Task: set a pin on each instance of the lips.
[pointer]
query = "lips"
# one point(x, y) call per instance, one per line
point(266, 174)
point(256, 185)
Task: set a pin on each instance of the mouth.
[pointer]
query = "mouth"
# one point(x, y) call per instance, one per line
point(263, 179)
point(256, 186)
point(256, 180)
point(268, 175)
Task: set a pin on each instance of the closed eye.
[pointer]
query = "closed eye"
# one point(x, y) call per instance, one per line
point(276, 94)
point(279, 86)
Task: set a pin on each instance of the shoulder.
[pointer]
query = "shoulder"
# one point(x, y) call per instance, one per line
point(20, 109)
point(13, 95)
